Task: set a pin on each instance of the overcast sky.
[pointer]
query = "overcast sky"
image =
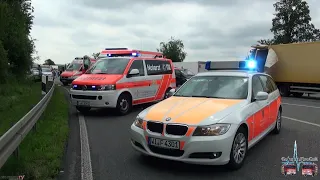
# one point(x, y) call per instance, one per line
point(210, 29)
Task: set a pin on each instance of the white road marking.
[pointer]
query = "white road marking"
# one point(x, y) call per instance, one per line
point(317, 107)
point(301, 121)
point(86, 168)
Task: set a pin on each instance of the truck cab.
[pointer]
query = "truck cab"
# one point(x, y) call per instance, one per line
point(75, 69)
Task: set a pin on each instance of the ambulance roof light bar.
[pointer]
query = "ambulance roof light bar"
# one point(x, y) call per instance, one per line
point(249, 65)
point(125, 52)
point(116, 49)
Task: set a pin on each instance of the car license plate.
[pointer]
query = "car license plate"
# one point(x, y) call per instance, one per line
point(83, 103)
point(164, 143)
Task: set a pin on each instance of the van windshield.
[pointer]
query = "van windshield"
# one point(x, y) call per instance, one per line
point(109, 66)
point(74, 66)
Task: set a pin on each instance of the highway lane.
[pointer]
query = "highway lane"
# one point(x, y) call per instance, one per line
point(112, 157)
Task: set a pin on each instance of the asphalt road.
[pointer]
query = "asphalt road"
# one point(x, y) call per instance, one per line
point(112, 157)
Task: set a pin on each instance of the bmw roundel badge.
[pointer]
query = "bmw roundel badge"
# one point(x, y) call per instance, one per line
point(168, 119)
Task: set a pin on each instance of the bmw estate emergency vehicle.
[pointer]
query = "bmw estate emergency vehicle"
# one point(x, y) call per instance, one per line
point(122, 78)
point(213, 119)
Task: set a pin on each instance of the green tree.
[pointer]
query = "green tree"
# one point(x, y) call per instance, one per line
point(292, 23)
point(49, 62)
point(16, 22)
point(95, 55)
point(173, 49)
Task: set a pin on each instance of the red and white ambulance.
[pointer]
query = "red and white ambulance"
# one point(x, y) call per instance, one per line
point(122, 78)
point(75, 69)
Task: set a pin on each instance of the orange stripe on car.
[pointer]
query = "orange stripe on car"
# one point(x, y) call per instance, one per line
point(190, 131)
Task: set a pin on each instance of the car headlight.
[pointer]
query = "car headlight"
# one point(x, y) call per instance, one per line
point(212, 130)
point(138, 122)
point(107, 87)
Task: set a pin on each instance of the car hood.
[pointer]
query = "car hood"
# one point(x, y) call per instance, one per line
point(193, 111)
point(68, 73)
point(97, 79)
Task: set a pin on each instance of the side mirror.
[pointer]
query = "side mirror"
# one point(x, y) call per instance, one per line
point(171, 92)
point(261, 96)
point(133, 72)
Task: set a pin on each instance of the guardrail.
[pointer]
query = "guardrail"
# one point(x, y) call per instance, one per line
point(10, 141)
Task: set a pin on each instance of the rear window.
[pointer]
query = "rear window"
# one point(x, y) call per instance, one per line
point(157, 67)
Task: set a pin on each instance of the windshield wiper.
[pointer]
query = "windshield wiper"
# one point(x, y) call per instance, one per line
point(181, 95)
point(100, 73)
point(201, 96)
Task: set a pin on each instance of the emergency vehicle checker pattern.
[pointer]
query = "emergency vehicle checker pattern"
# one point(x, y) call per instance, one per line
point(215, 124)
point(122, 78)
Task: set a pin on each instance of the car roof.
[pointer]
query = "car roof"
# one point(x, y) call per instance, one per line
point(229, 73)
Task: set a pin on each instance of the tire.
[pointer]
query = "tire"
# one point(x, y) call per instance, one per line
point(65, 84)
point(284, 90)
point(240, 141)
point(297, 94)
point(166, 94)
point(277, 128)
point(124, 104)
point(83, 109)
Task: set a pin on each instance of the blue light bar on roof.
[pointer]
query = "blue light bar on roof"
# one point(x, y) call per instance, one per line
point(231, 65)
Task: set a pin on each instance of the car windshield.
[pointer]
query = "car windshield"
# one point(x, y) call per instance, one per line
point(109, 66)
point(226, 87)
point(45, 70)
point(290, 166)
point(308, 166)
point(74, 67)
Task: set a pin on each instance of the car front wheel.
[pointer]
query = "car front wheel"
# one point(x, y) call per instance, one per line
point(239, 149)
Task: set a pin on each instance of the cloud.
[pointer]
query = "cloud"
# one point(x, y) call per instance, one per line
point(217, 30)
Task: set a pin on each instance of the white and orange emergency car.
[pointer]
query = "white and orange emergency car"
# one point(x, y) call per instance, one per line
point(212, 119)
point(122, 78)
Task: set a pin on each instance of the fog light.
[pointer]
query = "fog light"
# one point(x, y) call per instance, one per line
point(216, 154)
point(99, 97)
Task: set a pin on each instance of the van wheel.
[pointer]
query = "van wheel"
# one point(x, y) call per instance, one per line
point(83, 109)
point(238, 150)
point(166, 94)
point(124, 104)
point(277, 128)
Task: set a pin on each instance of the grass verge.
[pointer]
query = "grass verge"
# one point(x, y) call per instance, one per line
point(17, 98)
point(41, 152)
